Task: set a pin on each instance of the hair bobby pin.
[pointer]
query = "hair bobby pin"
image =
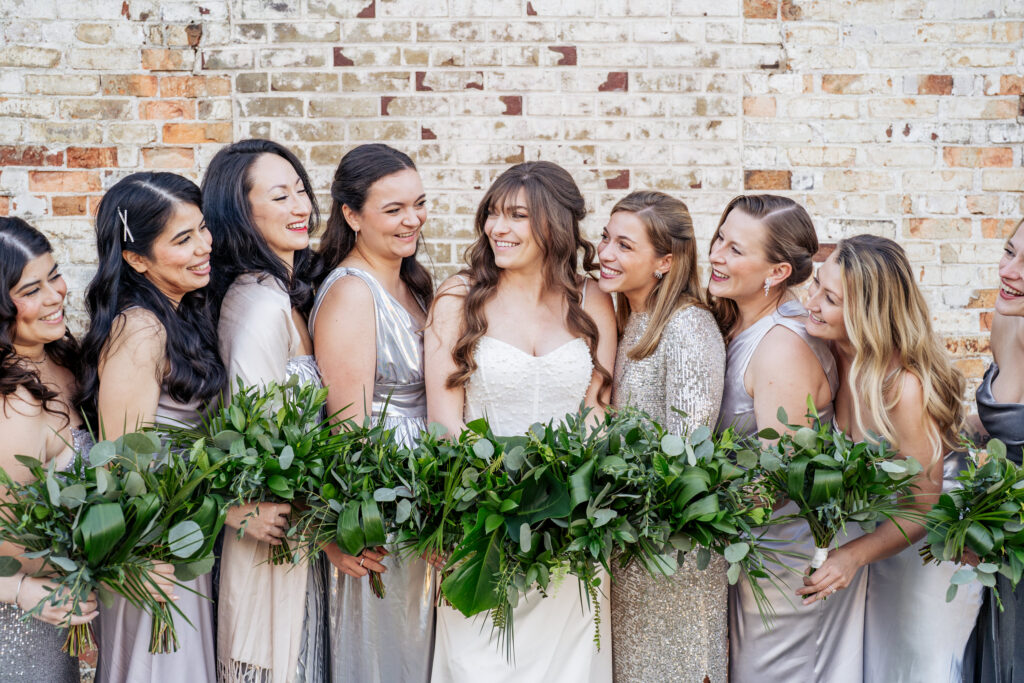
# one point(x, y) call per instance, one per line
point(123, 215)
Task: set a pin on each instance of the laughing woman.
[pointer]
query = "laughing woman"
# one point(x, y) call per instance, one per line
point(150, 356)
point(376, 290)
point(671, 357)
point(897, 382)
point(38, 364)
point(258, 202)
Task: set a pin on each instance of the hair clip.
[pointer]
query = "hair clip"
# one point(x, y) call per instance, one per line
point(123, 215)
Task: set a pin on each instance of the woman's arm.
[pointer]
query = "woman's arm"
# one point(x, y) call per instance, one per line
point(782, 373)
point(131, 370)
point(344, 337)
point(598, 305)
point(912, 429)
point(444, 326)
point(694, 370)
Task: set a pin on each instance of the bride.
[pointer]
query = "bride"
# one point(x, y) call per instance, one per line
point(519, 337)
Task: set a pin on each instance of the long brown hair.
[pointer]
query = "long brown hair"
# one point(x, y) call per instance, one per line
point(670, 230)
point(556, 208)
point(789, 238)
point(887, 317)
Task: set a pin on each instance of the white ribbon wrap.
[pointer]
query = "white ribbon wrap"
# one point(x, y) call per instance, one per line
point(820, 555)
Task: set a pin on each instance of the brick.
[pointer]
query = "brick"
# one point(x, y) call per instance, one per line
point(168, 157)
point(134, 85)
point(65, 84)
point(766, 180)
point(617, 81)
point(937, 228)
point(378, 81)
point(74, 205)
point(104, 59)
point(272, 106)
point(1003, 180)
point(760, 106)
point(29, 155)
point(168, 60)
point(195, 133)
point(299, 81)
point(100, 109)
point(167, 109)
point(64, 181)
point(304, 32)
point(28, 56)
point(94, 34)
point(195, 86)
point(978, 157)
point(998, 228)
point(92, 157)
point(5, 206)
point(1011, 85)
point(254, 82)
point(935, 84)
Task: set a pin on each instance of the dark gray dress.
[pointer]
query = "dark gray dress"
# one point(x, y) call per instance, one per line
point(997, 656)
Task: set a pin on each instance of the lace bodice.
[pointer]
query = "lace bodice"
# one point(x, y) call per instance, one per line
point(513, 389)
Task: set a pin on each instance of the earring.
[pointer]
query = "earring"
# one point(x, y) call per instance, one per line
point(658, 275)
point(767, 286)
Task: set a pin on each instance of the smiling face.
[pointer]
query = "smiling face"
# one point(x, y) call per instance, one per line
point(825, 303)
point(179, 260)
point(511, 237)
point(1010, 300)
point(628, 259)
point(39, 299)
point(392, 216)
point(280, 206)
point(739, 267)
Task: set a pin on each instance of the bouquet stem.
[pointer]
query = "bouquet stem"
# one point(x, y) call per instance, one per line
point(80, 640)
point(163, 638)
point(376, 584)
point(281, 554)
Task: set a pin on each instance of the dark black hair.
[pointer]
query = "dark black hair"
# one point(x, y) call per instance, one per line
point(358, 170)
point(19, 244)
point(195, 371)
point(238, 246)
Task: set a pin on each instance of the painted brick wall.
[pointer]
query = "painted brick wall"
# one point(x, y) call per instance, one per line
point(901, 117)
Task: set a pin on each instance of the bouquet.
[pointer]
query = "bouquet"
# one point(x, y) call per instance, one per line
point(267, 443)
point(985, 516)
point(102, 526)
point(834, 480)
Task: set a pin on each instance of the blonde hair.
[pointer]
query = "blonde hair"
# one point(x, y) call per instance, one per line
point(887, 317)
point(789, 238)
point(670, 230)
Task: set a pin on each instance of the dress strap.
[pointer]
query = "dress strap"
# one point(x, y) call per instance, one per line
point(583, 296)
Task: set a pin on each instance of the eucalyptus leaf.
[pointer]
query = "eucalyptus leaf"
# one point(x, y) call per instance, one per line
point(9, 566)
point(736, 552)
point(184, 539)
point(286, 458)
point(672, 444)
point(102, 453)
point(963, 575)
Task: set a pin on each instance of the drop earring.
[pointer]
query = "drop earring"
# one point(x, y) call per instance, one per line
point(767, 286)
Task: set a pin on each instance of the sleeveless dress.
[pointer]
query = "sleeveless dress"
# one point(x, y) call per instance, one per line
point(673, 629)
point(272, 620)
point(554, 635)
point(377, 640)
point(998, 657)
point(820, 643)
point(123, 631)
point(30, 650)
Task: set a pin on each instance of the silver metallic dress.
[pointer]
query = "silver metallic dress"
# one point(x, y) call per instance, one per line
point(820, 643)
point(673, 629)
point(375, 640)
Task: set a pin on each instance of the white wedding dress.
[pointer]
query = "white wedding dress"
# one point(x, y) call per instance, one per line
point(554, 635)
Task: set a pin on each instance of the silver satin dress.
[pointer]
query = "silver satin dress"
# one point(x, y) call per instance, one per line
point(820, 643)
point(676, 628)
point(378, 640)
point(123, 631)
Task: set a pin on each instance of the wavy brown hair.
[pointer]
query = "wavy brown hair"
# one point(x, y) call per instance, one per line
point(789, 238)
point(670, 230)
point(556, 208)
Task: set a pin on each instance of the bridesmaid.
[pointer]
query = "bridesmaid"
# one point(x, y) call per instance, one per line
point(38, 366)
point(1001, 414)
point(259, 204)
point(376, 290)
point(671, 355)
point(896, 381)
point(762, 248)
point(150, 356)
point(518, 337)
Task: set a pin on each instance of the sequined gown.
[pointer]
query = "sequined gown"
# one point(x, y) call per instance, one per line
point(374, 640)
point(673, 629)
point(553, 635)
point(123, 631)
point(821, 643)
point(30, 650)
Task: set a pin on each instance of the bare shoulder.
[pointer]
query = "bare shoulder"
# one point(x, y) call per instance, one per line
point(783, 350)
point(140, 328)
point(596, 300)
point(19, 407)
point(456, 285)
point(908, 407)
point(349, 291)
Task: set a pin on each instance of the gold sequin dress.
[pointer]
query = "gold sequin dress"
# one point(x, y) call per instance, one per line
point(673, 629)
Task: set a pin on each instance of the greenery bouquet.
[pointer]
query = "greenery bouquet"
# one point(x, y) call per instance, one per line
point(103, 525)
point(985, 517)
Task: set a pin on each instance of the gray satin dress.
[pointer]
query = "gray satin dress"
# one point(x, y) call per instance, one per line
point(820, 643)
point(123, 631)
point(31, 650)
point(378, 640)
point(675, 628)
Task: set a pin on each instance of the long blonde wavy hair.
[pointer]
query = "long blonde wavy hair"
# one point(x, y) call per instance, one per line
point(886, 317)
point(670, 230)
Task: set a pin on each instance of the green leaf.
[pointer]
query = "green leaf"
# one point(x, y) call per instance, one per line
point(52, 487)
point(693, 482)
point(806, 438)
point(403, 511)
point(781, 414)
point(525, 537)
point(63, 563)
point(700, 434)
point(603, 516)
point(493, 522)
point(9, 566)
point(237, 418)
point(373, 525)
point(280, 486)
point(672, 444)
point(73, 496)
point(384, 495)
point(579, 483)
point(979, 539)
point(703, 558)
point(951, 592)
point(134, 484)
point(184, 539)
point(514, 458)
point(483, 449)
point(987, 568)
point(996, 449)
point(472, 587)
point(142, 443)
point(102, 453)
point(733, 573)
point(349, 535)
point(193, 570)
point(962, 576)
point(736, 552)
point(225, 439)
point(102, 527)
point(286, 457)
point(746, 459)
